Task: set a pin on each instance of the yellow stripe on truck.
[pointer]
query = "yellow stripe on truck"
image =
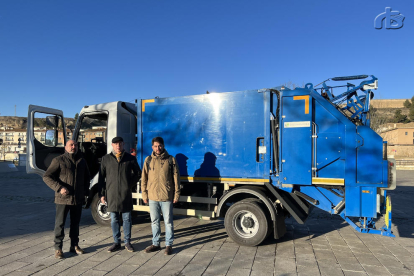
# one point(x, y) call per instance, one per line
point(146, 101)
point(328, 181)
point(306, 98)
point(188, 178)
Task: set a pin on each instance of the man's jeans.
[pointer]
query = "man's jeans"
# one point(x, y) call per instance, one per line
point(116, 227)
point(166, 207)
point(62, 211)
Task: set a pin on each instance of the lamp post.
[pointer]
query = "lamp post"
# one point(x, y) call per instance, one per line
point(1, 145)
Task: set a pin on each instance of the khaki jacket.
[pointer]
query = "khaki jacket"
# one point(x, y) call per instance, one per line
point(158, 181)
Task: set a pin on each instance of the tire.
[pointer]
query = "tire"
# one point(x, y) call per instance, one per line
point(246, 223)
point(99, 213)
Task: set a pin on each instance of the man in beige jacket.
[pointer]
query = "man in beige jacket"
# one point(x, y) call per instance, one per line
point(160, 185)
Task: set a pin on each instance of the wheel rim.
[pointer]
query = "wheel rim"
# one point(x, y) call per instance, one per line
point(102, 211)
point(245, 224)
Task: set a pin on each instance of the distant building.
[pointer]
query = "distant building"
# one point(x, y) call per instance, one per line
point(40, 135)
point(95, 133)
point(61, 140)
point(14, 137)
point(398, 133)
point(11, 138)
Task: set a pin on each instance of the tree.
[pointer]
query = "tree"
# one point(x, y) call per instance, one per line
point(76, 116)
point(407, 104)
point(411, 114)
point(292, 85)
point(400, 118)
point(3, 150)
point(411, 107)
point(376, 119)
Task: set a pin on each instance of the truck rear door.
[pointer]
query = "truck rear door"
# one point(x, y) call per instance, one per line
point(46, 138)
point(296, 138)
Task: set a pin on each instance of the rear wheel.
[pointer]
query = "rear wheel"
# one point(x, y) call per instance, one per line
point(246, 223)
point(99, 212)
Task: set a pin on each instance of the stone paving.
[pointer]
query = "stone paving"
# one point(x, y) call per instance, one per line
point(325, 245)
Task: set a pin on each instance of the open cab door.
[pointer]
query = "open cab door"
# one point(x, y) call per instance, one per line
point(46, 138)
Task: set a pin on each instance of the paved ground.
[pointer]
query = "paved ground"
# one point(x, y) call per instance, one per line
point(325, 245)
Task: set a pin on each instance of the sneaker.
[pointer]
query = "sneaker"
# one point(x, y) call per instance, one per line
point(114, 247)
point(152, 248)
point(168, 250)
point(129, 247)
point(59, 254)
point(76, 249)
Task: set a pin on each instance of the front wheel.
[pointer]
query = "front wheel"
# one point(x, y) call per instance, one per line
point(246, 223)
point(99, 212)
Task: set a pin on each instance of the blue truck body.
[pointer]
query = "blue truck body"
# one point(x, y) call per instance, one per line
point(298, 147)
point(225, 125)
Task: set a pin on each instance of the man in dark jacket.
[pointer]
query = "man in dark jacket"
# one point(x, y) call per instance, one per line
point(122, 173)
point(68, 176)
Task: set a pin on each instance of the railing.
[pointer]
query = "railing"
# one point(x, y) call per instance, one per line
point(404, 162)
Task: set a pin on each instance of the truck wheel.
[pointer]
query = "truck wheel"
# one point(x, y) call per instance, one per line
point(99, 212)
point(246, 223)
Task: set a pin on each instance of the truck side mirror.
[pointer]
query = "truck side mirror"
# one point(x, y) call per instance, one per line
point(50, 139)
point(52, 121)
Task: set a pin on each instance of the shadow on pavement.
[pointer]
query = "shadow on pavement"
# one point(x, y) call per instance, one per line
point(29, 209)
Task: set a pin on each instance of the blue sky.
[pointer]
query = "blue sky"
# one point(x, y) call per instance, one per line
point(67, 54)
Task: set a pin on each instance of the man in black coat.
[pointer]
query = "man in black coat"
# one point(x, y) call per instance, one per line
point(119, 173)
point(68, 176)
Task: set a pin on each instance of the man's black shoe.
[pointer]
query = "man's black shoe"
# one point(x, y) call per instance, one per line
point(76, 249)
point(168, 250)
point(114, 247)
point(152, 248)
point(129, 247)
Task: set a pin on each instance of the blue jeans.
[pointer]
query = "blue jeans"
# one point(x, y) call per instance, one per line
point(166, 207)
point(116, 227)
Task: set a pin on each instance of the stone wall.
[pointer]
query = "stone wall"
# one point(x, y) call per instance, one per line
point(399, 103)
point(401, 151)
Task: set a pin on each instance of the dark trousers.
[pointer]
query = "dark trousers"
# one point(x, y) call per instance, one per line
point(75, 216)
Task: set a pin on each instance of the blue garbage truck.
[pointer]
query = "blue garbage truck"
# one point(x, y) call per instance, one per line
point(251, 157)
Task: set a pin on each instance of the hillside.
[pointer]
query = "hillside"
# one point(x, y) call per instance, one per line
point(384, 110)
point(21, 122)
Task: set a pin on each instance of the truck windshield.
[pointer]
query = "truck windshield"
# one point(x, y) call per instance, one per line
point(92, 136)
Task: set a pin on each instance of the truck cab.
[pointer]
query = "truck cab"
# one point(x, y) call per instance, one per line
point(96, 125)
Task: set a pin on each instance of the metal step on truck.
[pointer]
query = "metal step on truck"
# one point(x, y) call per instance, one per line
point(251, 157)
